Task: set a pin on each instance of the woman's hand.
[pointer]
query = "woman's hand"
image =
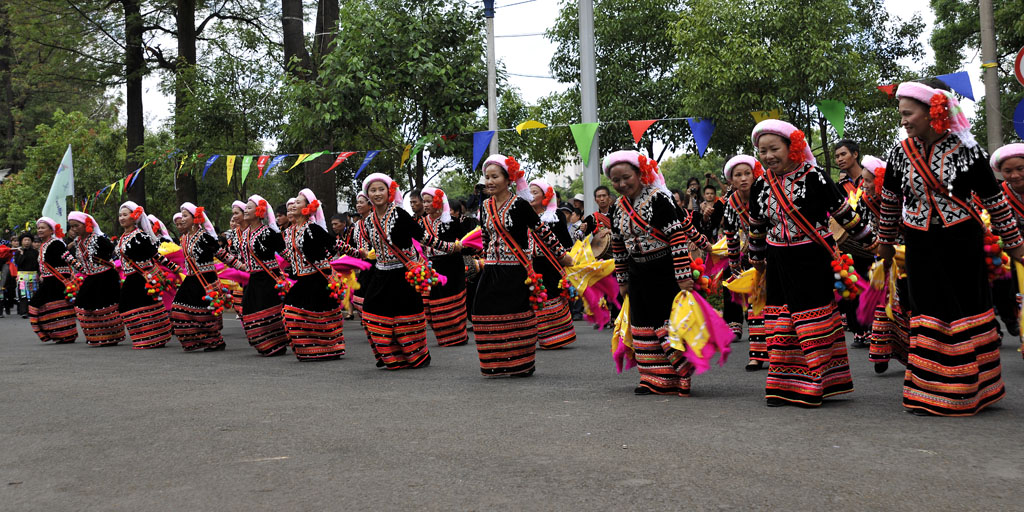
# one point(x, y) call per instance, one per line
point(458, 246)
point(686, 285)
point(623, 290)
point(1017, 253)
point(758, 265)
point(566, 260)
point(886, 252)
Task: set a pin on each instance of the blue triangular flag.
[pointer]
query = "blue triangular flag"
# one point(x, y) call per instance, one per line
point(273, 163)
point(702, 130)
point(209, 162)
point(366, 161)
point(136, 176)
point(480, 142)
point(960, 82)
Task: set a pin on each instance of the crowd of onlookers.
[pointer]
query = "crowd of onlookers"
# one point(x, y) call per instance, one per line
point(19, 271)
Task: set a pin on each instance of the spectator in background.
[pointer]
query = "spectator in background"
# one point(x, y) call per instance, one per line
point(27, 261)
point(711, 211)
point(691, 200)
point(281, 213)
point(416, 203)
point(578, 201)
point(605, 208)
point(341, 226)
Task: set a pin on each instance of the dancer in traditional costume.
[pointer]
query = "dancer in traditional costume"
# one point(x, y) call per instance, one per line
point(554, 318)
point(51, 315)
point(262, 300)
point(312, 317)
point(504, 322)
point(852, 175)
point(162, 235)
point(91, 254)
point(196, 319)
point(789, 227)
point(393, 308)
point(953, 368)
point(1009, 161)
point(363, 208)
point(741, 171)
point(143, 313)
point(650, 244)
point(446, 304)
point(235, 248)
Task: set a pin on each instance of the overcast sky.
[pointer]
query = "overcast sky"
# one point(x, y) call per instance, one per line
point(530, 55)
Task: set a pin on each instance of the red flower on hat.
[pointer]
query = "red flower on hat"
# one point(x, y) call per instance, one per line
point(88, 225)
point(514, 173)
point(57, 231)
point(758, 170)
point(549, 194)
point(311, 209)
point(438, 202)
point(261, 208)
point(200, 216)
point(137, 212)
point(392, 190)
point(797, 145)
point(648, 169)
point(939, 113)
point(879, 179)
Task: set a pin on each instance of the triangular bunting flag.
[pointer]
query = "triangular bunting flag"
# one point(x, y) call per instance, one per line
point(835, 112)
point(276, 161)
point(761, 115)
point(639, 127)
point(314, 156)
point(120, 187)
point(302, 156)
point(583, 134)
point(529, 125)
point(231, 167)
point(209, 162)
point(366, 161)
point(890, 90)
point(341, 158)
point(960, 82)
point(702, 130)
point(246, 163)
point(261, 163)
point(480, 142)
point(128, 179)
point(405, 154)
point(137, 173)
point(420, 143)
point(111, 187)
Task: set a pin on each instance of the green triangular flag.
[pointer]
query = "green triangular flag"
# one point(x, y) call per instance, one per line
point(583, 134)
point(835, 112)
point(246, 163)
point(120, 187)
point(314, 156)
point(420, 142)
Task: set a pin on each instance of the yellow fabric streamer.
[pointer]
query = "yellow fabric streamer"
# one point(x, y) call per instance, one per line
point(621, 333)
point(855, 198)
point(586, 269)
point(744, 283)
point(687, 325)
point(1020, 289)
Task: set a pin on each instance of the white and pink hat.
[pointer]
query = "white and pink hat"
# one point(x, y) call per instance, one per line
point(141, 220)
point(513, 171)
point(158, 227)
point(802, 151)
point(738, 160)
point(649, 173)
point(394, 192)
point(1005, 153)
point(86, 220)
point(871, 163)
point(238, 204)
point(57, 231)
point(264, 212)
point(313, 210)
point(953, 120)
point(198, 213)
point(548, 200)
point(439, 201)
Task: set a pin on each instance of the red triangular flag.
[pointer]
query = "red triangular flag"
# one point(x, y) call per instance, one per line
point(261, 163)
point(341, 158)
point(888, 89)
point(639, 127)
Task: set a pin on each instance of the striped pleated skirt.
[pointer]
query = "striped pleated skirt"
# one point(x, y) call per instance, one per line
point(52, 317)
point(195, 326)
point(554, 324)
point(313, 320)
point(504, 325)
point(395, 321)
point(262, 316)
point(96, 309)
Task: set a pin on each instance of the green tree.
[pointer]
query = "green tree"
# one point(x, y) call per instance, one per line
point(957, 31)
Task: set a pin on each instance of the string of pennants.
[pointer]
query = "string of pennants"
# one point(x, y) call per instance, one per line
point(582, 133)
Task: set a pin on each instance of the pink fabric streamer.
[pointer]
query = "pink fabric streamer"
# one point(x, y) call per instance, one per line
point(624, 358)
point(350, 263)
point(721, 338)
point(608, 288)
point(869, 300)
point(225, 272)
point(716, 265)
point(474, 241)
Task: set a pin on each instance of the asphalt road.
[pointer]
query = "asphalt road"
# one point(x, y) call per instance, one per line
point(116, 429)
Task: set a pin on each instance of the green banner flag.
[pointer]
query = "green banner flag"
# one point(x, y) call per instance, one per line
point(63, 186)
point(583, 134)
point(835, 112)
point(314, 156)
point(246, 163)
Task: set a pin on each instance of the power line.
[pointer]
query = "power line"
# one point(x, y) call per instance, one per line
point(522, 35)
point(549, 77)
point(514, 3)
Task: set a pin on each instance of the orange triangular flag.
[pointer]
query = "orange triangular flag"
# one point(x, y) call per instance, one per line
point(888, 89)
point(639, 127)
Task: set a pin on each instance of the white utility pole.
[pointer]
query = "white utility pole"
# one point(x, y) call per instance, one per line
point(588, 96)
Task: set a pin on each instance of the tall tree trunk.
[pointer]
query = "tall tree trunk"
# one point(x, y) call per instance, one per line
point(134, 70)
point(8, 153)
point(326, 25)
point(186, 23)
point(294, 41)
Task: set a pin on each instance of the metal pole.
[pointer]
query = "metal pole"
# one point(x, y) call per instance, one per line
point(492, 76)
point(993, 119)
point(588, 96)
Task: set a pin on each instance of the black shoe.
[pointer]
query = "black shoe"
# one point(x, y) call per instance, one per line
point(881, 367)
point(380, 364)
point(1012, 328)
point(754, 366)
point(642, 391)
point(775, 402)
point(528, 373)
point(217, 347)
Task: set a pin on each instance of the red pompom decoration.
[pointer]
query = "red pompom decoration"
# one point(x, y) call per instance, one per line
point(200, 216)
point(261, 209)
point(438, 202)
point(549, 194)
point(57, 231)
point(514, 172)
point(136, 213)
point(758, 170)
point(392, 189)
point(846, 277)
point(797, 145)
point(89, 226)
point(648, 169)
point(939, 113)
point(879, 180)
point(310, 209)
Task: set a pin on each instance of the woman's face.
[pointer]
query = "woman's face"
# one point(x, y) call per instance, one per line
point(495, 179)
point(914, 117)
point(124, 218)
point(428, 205)
point(293, 212)
point(43, 230)
point(774, 152)
point(625, 179)
point(237, 214)
point(76, 228)
point(26, 242)
point(187, 217)
point(250, 212)
point(362, 205)
point(538, 196)
point(179, 223)
point(378, 192)
point(869, 183)
point(742, 177)
point(1012, 170)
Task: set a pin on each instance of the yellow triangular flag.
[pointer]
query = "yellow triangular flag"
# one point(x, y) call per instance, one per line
point(405, 154)
point(528, 125)
point(302, 156)
point(761, 115)
point(231, 167)
point(108, 193)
